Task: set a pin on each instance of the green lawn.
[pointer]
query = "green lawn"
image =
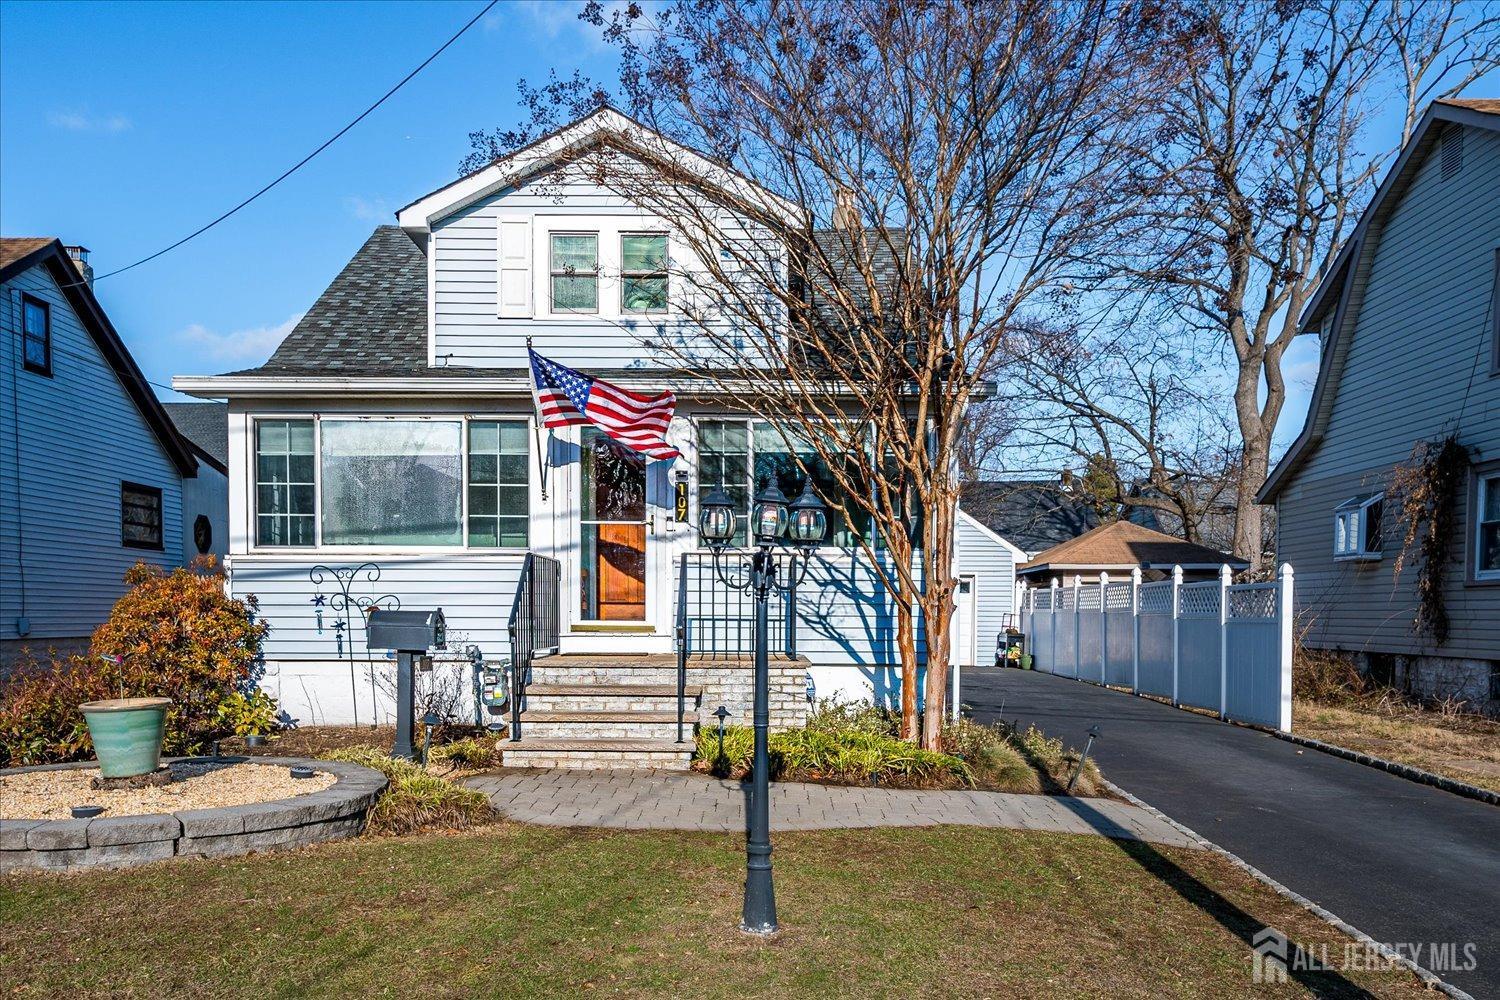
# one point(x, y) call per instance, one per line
point(533, 911)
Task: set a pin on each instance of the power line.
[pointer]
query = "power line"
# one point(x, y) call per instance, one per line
point(302, 162)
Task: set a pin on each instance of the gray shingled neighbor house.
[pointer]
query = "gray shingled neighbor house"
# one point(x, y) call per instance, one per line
point(1409, 324)
point(392, 440)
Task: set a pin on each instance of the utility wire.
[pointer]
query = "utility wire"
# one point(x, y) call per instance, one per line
point(302, 162)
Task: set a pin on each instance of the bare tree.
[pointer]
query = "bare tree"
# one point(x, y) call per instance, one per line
point(922, 173)
point(1132, 413)
point(1262, 163)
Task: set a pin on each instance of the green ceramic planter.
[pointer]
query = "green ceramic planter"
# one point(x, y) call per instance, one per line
point(127, 734)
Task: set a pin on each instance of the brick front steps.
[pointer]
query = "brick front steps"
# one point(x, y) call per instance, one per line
point(614, 712)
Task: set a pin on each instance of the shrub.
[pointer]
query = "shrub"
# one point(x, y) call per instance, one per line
point(474, 752)
point(832, 716)
point(849, 755)
point(174, 635)
point(415, 800)
point(989, 751)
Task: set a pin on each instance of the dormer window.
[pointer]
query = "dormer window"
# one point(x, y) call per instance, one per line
point(1356, 527)
point(575, 272)
point(643, 273)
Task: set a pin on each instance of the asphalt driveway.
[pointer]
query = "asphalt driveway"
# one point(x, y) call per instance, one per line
point(1405, 863)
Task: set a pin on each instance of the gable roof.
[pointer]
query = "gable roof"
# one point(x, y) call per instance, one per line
point(19, 254)
point(1350, 270)
point(1032, 514)
point(605, 126)
point(1126, 545)
point(205, 426)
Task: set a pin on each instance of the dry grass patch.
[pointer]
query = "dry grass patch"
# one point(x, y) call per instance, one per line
point(1462, 747)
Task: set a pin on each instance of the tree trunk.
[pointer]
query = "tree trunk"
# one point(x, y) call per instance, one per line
point(1255, 456)
point(937, 614)
point(906, 647)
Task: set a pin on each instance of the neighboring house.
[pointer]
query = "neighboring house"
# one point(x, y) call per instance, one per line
point(395, 427)
point(1410, 329)
point(1118, 548)
point(1033, 514)
point(205, 497)
point(91, 466)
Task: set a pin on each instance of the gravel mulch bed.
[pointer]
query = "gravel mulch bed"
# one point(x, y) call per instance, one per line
point(51, 794)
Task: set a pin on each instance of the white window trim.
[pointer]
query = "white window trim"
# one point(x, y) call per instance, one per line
point(1346, 517)
point(597, 274)
point(665, 272)
point(1487, 481)
point(463, 419)
point(609, 229)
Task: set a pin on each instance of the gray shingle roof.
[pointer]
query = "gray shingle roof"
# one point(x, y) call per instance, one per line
point(1034, 515)
point(206, 425)
point(372, 320)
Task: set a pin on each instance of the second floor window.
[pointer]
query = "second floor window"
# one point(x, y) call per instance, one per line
point(140, 516)
point(643, 273)
point(575, 272)
point(1487, 528)
point(36, 336)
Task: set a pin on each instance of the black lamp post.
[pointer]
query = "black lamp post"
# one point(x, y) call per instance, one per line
point(800, 526)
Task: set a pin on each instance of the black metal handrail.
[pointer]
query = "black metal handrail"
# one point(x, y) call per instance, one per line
point(716, 622)
point(533, 627)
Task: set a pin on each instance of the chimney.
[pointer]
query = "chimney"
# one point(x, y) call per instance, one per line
point(845, 214)
point(80, 257)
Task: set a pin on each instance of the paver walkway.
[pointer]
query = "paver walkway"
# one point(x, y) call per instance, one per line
point(663, 800)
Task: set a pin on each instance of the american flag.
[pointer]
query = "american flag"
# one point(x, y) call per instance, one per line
point(565, 397)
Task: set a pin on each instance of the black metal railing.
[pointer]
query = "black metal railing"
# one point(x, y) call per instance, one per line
point(534, 623)
point(717, 622)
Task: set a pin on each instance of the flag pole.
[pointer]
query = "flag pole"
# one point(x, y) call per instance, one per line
point(536, 404)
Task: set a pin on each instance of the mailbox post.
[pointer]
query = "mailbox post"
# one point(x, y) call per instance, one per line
point(410, 634)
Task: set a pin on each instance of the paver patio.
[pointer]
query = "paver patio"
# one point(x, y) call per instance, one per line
point(659, 800)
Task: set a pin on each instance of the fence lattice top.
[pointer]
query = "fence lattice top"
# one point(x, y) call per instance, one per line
point(1199, 600)
point(1252, 600)
point(1156, 598)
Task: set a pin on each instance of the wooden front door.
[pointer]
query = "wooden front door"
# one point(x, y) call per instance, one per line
point(612, 531)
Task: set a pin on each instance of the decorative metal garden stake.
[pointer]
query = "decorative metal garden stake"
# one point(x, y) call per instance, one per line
point(1093, 735)
point(772, 517)
point(342, 604)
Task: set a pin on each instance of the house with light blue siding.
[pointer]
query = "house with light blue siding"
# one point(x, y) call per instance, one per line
point(1409, 322)
point(391, 444)
point(91, 467)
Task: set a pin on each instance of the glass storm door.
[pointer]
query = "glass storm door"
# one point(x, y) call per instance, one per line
point(611, 531)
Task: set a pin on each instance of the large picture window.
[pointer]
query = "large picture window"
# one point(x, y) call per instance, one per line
point(391, 482)
point(743, 456)
point(378, 482)
point(284, 486)
point(498, 491)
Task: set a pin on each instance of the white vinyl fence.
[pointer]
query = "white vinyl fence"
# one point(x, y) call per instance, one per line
point(1216, 645)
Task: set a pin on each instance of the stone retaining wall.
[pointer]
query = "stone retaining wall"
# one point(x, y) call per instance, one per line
point(335, 813)
point(732, 685)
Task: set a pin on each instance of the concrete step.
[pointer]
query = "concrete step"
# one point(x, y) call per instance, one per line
point(641, 725)
point(607, 754)
point(609, 698)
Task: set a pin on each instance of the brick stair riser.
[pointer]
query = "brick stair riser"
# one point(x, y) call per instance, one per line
point(607, 703)
point(590, 760)
point(603, 730)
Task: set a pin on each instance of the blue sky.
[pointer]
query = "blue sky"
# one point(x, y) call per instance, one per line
point(125, 126)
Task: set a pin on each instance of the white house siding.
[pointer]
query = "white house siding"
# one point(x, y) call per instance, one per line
point(66, 443)
point(304, 668)
point(467, 329)
point(1416, 368)
point(993, 564)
